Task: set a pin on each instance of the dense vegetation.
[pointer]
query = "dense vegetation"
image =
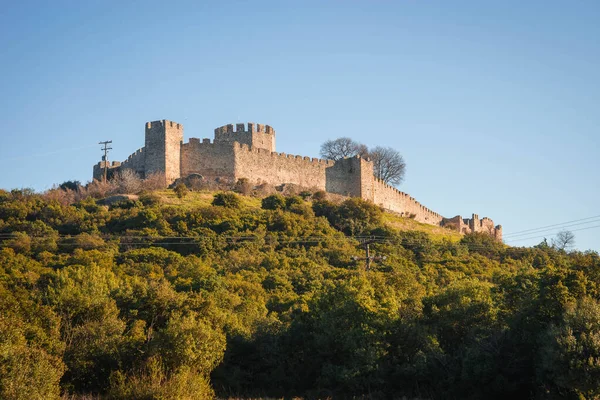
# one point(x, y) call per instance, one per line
point(142, 299)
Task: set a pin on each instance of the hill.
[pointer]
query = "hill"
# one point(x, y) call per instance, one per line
point(169, 297)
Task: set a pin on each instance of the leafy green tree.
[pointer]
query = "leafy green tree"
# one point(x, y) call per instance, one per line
point(570, 353)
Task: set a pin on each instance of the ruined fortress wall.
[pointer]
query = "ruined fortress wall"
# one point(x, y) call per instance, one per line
point(255, 135)
point(211, 160)
point(163, 148)
point(485, 225)
point(474, 224)
point(136, 162)
point(263, 166)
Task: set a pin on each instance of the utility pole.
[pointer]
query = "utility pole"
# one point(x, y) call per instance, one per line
point(368, 257)
point(105, 157)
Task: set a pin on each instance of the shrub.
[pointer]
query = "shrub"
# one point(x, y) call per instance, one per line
point(305, 194)
point(243, 186)
point(181, 190)
point(226, 199)
point(292, 200)
point(150, 199)
point(319, 195)
point(273, 202)
point(155, 181)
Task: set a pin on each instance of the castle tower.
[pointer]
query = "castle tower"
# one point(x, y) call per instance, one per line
point(256, 135)
point(163, 149)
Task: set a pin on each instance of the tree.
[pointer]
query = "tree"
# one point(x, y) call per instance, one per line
point(128, 181)
point(70, 185)
point(388, 165)
point(570, 352)
point(341, 148)
point(564, 240)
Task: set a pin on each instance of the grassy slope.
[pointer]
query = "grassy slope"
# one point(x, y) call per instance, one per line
point(204, 198)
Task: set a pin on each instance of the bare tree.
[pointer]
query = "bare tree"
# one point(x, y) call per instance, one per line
point(564, 240)
point(128, 181)
point(341, 148)
point(388, 165)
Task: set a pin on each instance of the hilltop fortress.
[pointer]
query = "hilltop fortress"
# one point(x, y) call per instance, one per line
point(248, 151)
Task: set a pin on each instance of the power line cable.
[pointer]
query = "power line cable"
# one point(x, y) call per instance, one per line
point(553, 229)
point(549, 226)
point(554, 234)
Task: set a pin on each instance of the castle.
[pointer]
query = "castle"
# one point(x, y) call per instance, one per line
point(248, 151)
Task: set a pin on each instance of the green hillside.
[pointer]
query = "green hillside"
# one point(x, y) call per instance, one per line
point(218, 294)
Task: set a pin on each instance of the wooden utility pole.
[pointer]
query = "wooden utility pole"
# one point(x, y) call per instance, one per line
point(368, 257)
point(105, 157)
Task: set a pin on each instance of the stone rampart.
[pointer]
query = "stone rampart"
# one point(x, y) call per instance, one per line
point(262, 166)
point(136, 162)
point(255, 135)
point(211, 160)
point(112, 168)
point(474, 224)
point(163, 149)
point(390, 198)
point(344, 177)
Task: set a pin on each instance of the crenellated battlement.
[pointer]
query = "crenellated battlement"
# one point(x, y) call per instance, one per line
point(250, 127)
point(254, 135)
point(274, 154)
point(164, 123)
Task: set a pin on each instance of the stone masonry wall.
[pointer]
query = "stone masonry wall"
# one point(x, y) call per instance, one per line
point(256, 135)
point(262, 166)
point(163, 149)
point(113, 167)
point(136, 162)
point(392, 199)
point(211, 160)
point(344, 177)
point(474, 224)
point(354, 177)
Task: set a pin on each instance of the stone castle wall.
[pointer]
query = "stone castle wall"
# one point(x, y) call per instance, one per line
point(211, 160)
point(136, 162)
point(393, 199)
point(256, 135)
point(249, 152)
point(263, 166)
point(474, 224)
point(163, 149)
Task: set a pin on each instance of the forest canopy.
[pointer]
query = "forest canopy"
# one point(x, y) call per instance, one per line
point(229, 295)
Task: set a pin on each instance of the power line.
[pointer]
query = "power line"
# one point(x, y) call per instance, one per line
point(126, 240)
point(554, 234)
point(553, 229)
point(549, 226)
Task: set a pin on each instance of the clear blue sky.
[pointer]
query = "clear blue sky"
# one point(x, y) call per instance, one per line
point(494, 104)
